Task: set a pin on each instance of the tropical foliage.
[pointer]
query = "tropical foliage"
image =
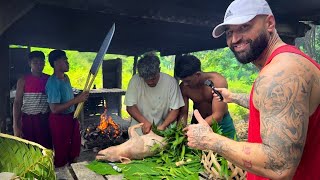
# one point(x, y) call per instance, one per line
point(27, 160)
point(311, 42)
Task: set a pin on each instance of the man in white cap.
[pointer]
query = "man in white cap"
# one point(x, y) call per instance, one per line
point(284, 136)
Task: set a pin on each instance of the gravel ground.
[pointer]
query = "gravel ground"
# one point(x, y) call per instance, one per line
point(242, 130)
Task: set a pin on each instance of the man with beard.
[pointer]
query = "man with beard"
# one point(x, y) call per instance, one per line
point(188, 69)
point(152, 96)
point(283, 137)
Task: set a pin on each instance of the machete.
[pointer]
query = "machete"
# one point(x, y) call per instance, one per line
point(95, 66)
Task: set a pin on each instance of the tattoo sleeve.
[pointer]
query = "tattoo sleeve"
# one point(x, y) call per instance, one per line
point(241, 99)
point(284, 119)
point(221, 147)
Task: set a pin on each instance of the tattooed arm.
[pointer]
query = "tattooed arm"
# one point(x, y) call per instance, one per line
point(283, 102)
point(240, 99)
point(229, 97)
point(282, 98)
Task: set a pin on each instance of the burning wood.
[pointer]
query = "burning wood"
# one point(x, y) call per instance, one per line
point(108, 126)
point(107, 133)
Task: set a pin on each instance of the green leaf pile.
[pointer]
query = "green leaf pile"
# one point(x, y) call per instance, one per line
point(176, 149)
point(25, 159)
point(163, 164)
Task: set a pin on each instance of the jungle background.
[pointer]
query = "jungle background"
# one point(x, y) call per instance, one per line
point(240, 77)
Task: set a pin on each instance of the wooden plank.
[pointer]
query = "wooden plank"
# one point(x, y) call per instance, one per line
point(63, 173)
point(114, 177)
point(83, 173)
point(106, 91)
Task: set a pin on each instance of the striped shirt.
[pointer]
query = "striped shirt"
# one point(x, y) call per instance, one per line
point(34, 97)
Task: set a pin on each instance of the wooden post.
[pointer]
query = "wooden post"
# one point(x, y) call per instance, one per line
point(290, 31)
point(134, 68)
point(176, 59)
point(4, 83)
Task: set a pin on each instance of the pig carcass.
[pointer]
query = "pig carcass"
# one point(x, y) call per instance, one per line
point(137, 147)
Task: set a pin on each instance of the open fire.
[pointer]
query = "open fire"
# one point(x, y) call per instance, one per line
point(108, 126)
point(107, 133)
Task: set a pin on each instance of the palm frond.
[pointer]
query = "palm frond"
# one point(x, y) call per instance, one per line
point(26, 159)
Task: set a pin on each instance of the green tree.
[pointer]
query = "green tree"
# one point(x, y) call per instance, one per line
point(310, 44)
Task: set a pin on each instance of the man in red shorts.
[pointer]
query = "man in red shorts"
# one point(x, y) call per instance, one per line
point(64, 129)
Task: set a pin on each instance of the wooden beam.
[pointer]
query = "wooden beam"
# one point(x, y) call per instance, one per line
point(4, 83)
point(12, 10)
point(134, 68)
point(176, 59)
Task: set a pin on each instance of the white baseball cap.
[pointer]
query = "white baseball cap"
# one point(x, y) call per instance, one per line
point(240, 12)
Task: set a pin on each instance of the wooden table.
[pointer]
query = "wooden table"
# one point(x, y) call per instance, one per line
point(79, 171)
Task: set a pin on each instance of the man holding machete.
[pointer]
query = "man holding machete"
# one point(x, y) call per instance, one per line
point(64, 128)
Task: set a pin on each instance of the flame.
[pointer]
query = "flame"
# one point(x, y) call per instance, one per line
point(103, 121)
point(106, 122)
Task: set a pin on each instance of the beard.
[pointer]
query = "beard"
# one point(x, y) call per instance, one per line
point(257, 46)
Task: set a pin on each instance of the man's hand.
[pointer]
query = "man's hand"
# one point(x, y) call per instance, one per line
point(146, 127)
point(225, 93)
point(17, 132)
point(82, 97)
point(241, 99)
point(161, 128)
point(199, 134)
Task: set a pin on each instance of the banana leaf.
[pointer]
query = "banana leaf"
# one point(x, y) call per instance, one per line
point(26, 159)
point(147, 169)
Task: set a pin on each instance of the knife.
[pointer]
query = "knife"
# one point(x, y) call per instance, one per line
point(102, 51)
point(95, 66)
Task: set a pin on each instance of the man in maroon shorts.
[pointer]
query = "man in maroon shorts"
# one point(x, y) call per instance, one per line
point(30, 107)
point(64, 128)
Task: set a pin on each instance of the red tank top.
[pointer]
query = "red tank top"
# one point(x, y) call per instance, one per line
point(34, 84)
point(308, 167)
